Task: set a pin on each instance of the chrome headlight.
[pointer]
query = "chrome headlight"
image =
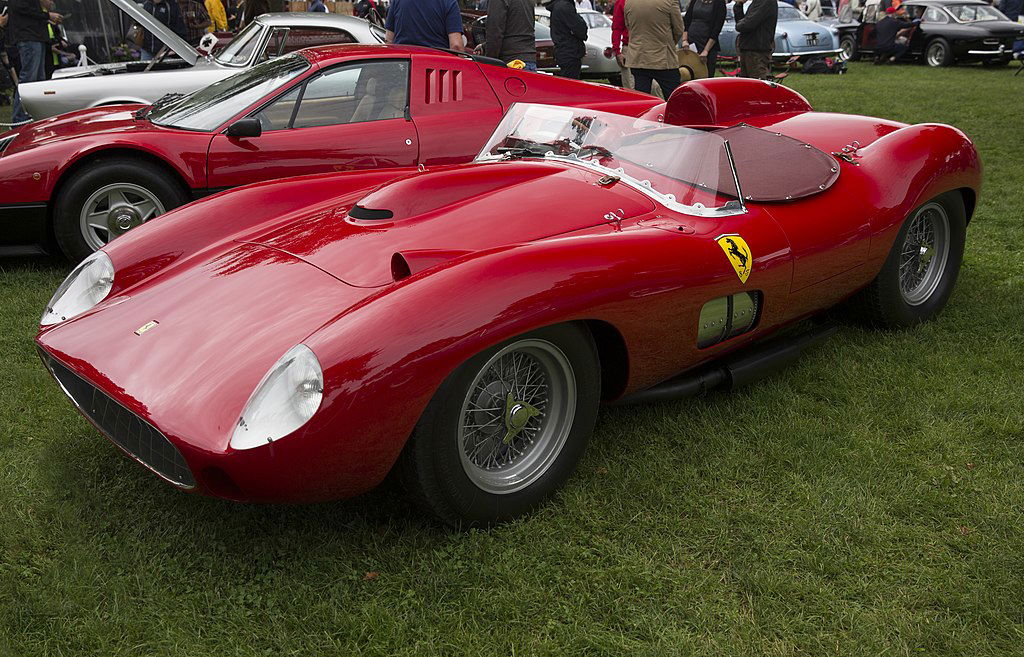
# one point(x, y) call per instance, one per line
point(289, 394)
point(86, 286)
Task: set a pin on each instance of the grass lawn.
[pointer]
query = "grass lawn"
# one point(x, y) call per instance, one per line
point(867, 501)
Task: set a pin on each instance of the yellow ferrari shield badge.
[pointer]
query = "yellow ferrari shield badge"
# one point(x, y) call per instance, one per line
point(738, 253)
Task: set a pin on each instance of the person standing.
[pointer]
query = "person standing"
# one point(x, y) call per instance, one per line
point(569, 34)
point(755, 38)
point(27, 27)
point(620, 39)
point(655, 27)
point(813, 9)
point(430, 23)
point(167, 12)
point(510, 32)
point(318, 6)
point(584, 5)
point(218, 17)
point(703, 23)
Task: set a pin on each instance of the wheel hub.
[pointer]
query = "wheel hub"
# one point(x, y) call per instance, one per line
point(122, 218)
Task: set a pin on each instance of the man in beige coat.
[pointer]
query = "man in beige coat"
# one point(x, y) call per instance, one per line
point(655, 27)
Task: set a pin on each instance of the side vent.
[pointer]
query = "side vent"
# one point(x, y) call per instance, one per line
point(443, 86)
point(727, 317)
point(406, 263)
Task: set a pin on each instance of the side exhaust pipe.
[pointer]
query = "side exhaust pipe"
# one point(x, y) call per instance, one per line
point(735, 370)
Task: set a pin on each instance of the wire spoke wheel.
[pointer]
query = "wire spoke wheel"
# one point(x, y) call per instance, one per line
point(924, 253)
point(516, 416)
point(114, 209)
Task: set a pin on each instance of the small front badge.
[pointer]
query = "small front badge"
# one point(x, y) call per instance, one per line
point(145, 327)
point(738, 252)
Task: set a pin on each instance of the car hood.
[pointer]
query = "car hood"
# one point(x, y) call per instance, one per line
point(159, 30)
point(459, 210)
point(222, 321)
point(116, 120)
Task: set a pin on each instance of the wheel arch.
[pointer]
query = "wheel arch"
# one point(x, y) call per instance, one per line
point(613, 357)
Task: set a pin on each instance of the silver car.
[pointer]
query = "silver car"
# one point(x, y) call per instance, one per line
point(268, 36)
point(599, 62)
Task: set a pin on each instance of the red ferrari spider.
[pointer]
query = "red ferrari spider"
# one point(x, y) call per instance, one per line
point(82, 178)
point(463, 323)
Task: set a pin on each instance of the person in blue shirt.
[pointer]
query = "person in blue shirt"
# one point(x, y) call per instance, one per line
point(318, 6)
point(431, 23)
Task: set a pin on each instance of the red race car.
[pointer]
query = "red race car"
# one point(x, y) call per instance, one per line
point(85, 177)
point(463, 323)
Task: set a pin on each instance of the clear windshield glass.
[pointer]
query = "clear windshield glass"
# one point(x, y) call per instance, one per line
point(239, 51)
point(974, 13)
point(208, 108)
point(686, 168)
point(790, 14)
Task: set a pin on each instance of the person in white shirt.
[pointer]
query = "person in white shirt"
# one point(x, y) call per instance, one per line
point(812, 8)
point(584, 5)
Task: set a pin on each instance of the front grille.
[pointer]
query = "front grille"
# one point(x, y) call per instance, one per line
point(135, 435)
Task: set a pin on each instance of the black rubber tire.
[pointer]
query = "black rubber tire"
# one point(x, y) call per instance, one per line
point(430, 468)
point(880, 304)
point(854, 51)
point(947, 57)
point(106, 171)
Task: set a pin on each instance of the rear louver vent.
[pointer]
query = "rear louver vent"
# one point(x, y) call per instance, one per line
point(443, 86)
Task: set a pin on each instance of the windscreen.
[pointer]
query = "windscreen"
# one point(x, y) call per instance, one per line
point(790, 14)
point(210, 107)
point(239, 51)
point(679, 165)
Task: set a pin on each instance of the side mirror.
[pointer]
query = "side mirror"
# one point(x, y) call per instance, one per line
point(248, 127)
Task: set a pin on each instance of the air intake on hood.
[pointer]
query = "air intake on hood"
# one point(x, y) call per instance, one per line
point(359, 212)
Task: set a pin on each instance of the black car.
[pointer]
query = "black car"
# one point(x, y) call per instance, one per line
point(950, 31)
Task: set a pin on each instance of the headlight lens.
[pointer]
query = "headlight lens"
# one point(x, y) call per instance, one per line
point(86, 286)
point(289, 394)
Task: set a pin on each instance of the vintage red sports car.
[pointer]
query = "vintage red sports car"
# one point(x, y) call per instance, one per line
point(84, 177)
point(463, 323)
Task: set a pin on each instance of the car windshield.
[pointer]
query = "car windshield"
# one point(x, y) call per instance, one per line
point(683, 168)
point(975, 13)
point(239, 51)
point(790, 14)
point(596, 19)
point(210, 107)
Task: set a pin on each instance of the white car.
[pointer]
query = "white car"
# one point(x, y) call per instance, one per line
point(599, 62)
point(268, 36)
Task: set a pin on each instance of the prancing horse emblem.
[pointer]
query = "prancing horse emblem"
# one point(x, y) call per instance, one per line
point(738, 252)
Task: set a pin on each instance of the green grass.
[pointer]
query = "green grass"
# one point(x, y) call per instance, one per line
point(867, 501)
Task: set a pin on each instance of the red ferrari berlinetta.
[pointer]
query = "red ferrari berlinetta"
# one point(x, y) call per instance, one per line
point(462, 323)
point(85, 177)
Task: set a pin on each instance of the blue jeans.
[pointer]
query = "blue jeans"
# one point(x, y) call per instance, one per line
point(530, 66)
point(33, 69)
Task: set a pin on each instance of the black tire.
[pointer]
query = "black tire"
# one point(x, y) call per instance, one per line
point(938, 52)
point(432, 467)
point(75, 240)
point(848, 44)
point(883, 303)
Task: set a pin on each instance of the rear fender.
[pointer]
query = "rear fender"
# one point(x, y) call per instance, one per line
point(910, 166)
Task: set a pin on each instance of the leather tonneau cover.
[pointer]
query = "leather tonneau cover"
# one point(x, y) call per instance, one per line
point(774, 167)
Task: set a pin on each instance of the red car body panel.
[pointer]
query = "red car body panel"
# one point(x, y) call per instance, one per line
point(498, 262)
point(454, 104)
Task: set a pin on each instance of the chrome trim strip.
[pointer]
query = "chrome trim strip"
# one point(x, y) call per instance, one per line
point(787, 55)
point(1001, 51)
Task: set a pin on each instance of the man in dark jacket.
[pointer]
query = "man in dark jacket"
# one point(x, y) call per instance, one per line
point(755, 40)
point(27, 30)
point(568, 32)
point(510, 32)
point(889, 47)
point(166, 12)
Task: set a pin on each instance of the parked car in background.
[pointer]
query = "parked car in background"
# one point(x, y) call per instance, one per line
point(474, 29)
point(599, 61)
point(795, 36)
point(950, 31)
point(88, 176)
point(268, 36)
